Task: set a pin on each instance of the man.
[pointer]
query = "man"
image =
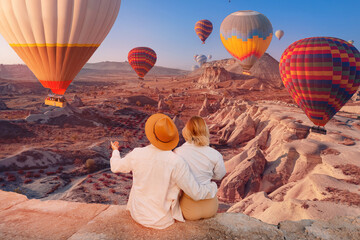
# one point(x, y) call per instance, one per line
point(158, 176)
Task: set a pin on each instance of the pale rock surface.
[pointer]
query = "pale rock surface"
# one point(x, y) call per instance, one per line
point(30, 158)
point(302, 174)
point(21, 218)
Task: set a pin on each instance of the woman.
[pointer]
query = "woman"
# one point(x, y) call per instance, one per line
point(205, 163)
point(158, 176)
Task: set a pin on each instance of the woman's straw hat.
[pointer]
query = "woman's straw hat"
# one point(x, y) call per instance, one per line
point(161, 131)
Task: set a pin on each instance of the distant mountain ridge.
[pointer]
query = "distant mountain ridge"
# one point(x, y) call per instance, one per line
point(22, 72)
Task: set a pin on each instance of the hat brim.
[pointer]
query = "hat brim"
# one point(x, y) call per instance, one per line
point(149, 132)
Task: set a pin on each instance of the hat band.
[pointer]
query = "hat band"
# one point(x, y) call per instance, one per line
point(158, 138)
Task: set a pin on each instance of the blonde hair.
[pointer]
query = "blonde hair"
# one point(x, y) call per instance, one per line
point(196, 131)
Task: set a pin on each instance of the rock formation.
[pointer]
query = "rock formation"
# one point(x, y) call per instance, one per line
point(77, 102)
point(205, 108)
point(141, 100)
point(8, 88)
point(3, 105)
point(208, 108)
point(213, 75)
point(162, 106)
point(356, 96)
point(35, 219)
point(284, 171)
point(179, 123)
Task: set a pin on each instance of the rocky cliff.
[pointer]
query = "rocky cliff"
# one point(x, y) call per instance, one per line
point(34, 219)
point(283, 170)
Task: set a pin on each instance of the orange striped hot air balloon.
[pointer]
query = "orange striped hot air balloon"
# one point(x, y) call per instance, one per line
point(55, 38)
point(203, 29)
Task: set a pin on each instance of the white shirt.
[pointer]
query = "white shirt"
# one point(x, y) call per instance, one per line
point(158, 177)
point(205, 162)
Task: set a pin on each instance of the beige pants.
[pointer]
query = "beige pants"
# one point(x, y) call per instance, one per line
point(195, 210)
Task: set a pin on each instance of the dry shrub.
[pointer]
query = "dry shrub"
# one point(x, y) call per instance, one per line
point(343, 197)
point(27, 181)
point(90, 165)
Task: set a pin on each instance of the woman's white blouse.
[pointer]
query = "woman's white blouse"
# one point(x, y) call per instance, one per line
point(205, 162)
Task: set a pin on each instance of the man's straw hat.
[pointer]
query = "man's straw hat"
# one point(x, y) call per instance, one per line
point(161, 131)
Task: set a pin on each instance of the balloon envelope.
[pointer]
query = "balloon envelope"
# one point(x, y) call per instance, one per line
point(201, 59)
point(194, 67)
point(55, 38)
point(279, 34)
point(246, 35)
point(142, 59)
point(203, 29)
point(321, 74)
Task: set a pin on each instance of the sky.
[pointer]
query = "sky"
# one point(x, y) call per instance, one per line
point(167, 26)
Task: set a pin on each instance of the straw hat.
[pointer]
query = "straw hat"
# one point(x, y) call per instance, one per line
point(161, 131)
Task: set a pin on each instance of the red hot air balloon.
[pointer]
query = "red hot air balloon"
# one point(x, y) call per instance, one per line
point(321, 74)
point(203, 29)
point(142, 59)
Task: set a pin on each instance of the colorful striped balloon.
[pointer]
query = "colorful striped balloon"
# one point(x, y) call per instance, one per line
point(321, 74)
point(203, 29)
point(55, 38)
point(142, 59)
point(246, 35)
point(201, 59)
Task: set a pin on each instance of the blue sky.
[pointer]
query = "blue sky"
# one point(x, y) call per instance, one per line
point(167, 26)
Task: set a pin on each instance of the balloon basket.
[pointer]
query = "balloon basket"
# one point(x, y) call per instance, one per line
point(245, 72)
point(140, 78)
point(55, 100)
point(318, 130)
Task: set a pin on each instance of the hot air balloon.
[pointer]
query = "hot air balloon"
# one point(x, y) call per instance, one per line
point(195, 56)
point(279, 34)
point(203, 29)
point(56, 38)
point(142, 59)
point(194, 67)
point(209, 57)
point(246, 35)
point(201, 59)
point(321, 74)
point(351, 41)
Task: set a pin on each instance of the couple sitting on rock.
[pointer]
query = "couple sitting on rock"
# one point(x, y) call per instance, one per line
point(159, 174)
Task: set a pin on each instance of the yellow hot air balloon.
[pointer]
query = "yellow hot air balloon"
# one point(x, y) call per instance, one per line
point(55, 38)
point(246, 35)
